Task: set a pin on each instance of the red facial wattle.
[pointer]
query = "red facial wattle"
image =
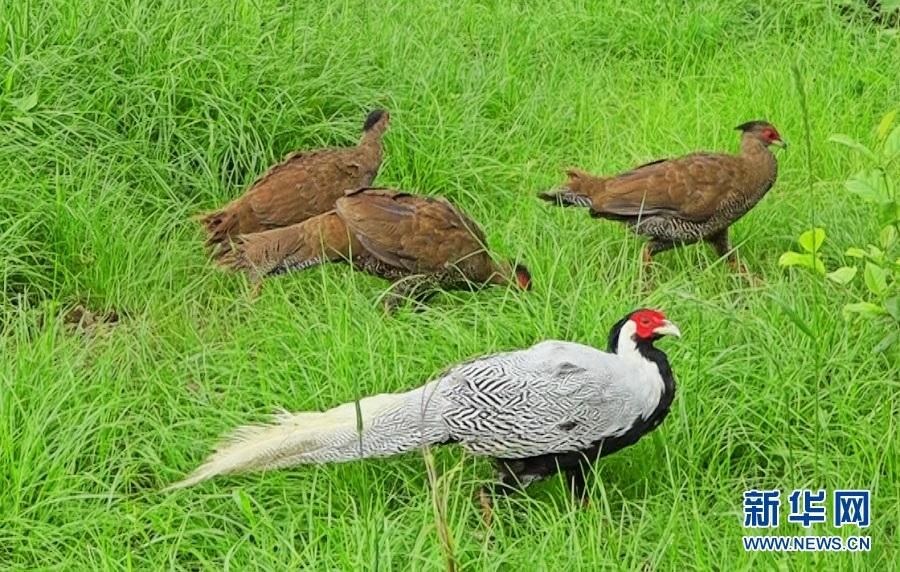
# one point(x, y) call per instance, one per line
point(646, 321)
point(523, 278)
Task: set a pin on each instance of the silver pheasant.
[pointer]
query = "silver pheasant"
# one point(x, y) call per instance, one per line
point(554, 406)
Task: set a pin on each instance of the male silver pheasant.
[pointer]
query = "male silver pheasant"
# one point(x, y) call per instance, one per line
point(554, 406)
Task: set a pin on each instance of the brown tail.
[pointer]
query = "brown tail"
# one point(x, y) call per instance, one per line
point(323, 238)
point(578, 175)
point(576, 192)
point(565, 197)
point(220, 227)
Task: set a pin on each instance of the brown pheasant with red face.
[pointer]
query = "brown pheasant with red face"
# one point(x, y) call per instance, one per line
point(304, 185)
point(421, 243)
point(683, 200)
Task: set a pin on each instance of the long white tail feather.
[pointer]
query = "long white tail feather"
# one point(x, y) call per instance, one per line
point(391, 423)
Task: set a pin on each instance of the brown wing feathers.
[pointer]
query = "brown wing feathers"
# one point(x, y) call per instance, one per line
point(414, 235)
point(381, 223)
point(690, 188)
point(419, 234)
point(303, 185)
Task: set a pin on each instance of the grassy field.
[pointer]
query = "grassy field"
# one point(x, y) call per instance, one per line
point(121, 120)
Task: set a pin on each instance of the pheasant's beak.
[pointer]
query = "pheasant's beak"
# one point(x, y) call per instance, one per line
point(779, 143)
point(667, 329)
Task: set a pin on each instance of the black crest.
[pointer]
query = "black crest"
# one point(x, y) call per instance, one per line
point(373, 118)
point(751, 125)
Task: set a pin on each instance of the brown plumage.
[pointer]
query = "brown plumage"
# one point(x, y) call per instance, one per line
point(303, 185)
point(423, 243)
point(683, 200)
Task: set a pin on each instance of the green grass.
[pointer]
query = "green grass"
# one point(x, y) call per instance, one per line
point(146, 116)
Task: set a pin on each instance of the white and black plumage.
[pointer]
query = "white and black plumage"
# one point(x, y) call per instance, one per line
point(554, 406)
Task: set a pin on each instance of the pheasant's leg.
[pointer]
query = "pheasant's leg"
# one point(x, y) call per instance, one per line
point(653, 247)
point(658, 245)
point(424, 293)
point(576, 478)
point(722, 246)
point(417, 288)
point(256, 288)
point(720, 243)
point(646, 256)
point(487, 506)
point(506, 482)
point(512, 475)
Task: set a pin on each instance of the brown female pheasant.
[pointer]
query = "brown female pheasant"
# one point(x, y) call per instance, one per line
point(683, 200)
point(303, 185)
point(421, 243)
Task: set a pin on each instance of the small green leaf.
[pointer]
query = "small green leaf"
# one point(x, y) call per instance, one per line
point(791, 258)
point(812, 240)
point(887, 121)
point(889, 213)
point(855, 252)
point(892, 143)
point(875, 278)
point(869, 186)
point(855, 145)
point(892, 305)
point(243, 501)
point(865, 309)
point(805, 260)
point(876, 254)
point(26, 103)
point(24, 120)
point(886, 342)
point(890, 5)
point(888, 236)
point(842, 275)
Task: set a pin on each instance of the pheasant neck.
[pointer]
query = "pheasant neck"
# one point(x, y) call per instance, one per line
point(501, 274)
point(623, 343)
point(372, 138)
point(371, 146)
point(758, 153)
point(752, 145)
